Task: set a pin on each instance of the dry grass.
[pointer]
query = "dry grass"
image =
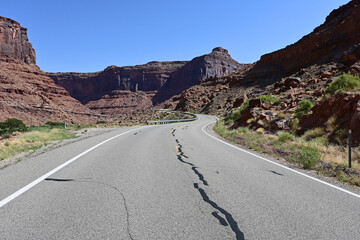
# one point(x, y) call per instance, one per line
point(23, 142)
point(290, 148)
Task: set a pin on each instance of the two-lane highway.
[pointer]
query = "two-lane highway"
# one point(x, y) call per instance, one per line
point(168, 182)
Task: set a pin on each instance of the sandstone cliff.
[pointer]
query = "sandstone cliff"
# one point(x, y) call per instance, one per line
point(92, 86)
point(337, 40)
point(26, 92)
point(122, 90)
point(214, 65)
point(14, 42)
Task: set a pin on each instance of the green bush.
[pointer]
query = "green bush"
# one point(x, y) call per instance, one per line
point(345, 82)
point(269, 98)
point(12, 125)
point(242, 129)
point(294, 124)
point(308, 157)
point(284, 137)
point(236, 115)
point(100, 122)
point(314, 133)
point(55, 124)
point(304, 107)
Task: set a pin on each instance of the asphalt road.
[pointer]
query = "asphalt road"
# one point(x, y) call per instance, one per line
point(167, 182)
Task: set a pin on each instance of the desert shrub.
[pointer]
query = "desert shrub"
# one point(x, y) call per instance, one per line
point(331, 124)
point(229, 121)
point(242, 130)
point(304, 107)
point(345, 82)
point(12, 125)
point(269, 98)
point(294, 124)
point(281, 115)
point(100, 122)
point(284, 137)
point(260, 130)
point(341, 136)
point(6, 135)
point(314, 133)
point(55, 124)
point(307, 157)
point(236, 115)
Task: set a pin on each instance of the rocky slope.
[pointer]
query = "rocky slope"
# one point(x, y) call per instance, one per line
point(122, 90)
point(26, 92)
point(298, 72)
point(337, 40)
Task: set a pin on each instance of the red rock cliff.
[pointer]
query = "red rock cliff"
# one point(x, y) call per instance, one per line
point(26, 92)
point(337, 40)
point(14, 42)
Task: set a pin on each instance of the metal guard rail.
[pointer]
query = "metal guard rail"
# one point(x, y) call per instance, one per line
point(174, 120)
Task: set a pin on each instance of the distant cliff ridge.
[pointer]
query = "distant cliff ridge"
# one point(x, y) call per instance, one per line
point(117, 88)
point(216, 64)
point(92, 86)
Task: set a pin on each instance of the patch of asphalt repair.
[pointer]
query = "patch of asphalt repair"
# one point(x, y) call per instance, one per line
point(228, 220)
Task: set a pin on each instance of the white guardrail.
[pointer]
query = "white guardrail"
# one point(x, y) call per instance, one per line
point(194, 117)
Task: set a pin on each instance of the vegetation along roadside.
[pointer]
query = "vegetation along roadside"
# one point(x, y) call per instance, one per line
point(300, 131)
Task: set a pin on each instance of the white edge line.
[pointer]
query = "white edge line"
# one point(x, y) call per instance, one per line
point(38, 180)
point(275, 163)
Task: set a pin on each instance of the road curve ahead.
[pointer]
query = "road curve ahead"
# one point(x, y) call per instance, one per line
point(167, 182)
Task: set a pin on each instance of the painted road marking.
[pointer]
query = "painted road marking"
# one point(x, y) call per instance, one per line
point(35, 182)
point(275, 163)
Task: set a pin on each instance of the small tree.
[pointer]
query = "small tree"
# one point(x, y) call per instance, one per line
point(304, 108)
point(12, 125)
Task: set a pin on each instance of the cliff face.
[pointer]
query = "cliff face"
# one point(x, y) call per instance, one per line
point(122, 90)
point(92, 86)
point(214, 65)
point(337, 40)
point(26, 92)
point(14, 42)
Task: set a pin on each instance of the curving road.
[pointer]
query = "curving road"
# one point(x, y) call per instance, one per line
point(167, 182)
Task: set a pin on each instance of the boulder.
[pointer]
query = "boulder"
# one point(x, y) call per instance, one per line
point(355, 69)
point(255, 103)
point(292, 82)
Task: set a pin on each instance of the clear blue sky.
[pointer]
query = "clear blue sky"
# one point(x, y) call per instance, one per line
point(88, 35)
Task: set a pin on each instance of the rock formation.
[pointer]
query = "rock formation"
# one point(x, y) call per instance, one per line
point(127, 89)
point(92, 86)
point(337, 40)
point(26, 92)
point(214, 65)
point(14, 42)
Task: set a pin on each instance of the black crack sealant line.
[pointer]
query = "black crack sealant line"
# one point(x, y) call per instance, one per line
point(228, 220)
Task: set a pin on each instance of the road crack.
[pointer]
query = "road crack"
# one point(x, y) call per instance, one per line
point(104, 184)
point(228, 220)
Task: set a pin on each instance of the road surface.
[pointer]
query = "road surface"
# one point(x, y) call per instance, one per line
point(167, 182)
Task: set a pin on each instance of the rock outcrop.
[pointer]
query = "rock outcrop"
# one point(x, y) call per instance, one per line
point(117, 88)
point(14, 42)
point(214, 65)
point(118, 103)
point(92, 86)
point(26, 92)
point(337, 40)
